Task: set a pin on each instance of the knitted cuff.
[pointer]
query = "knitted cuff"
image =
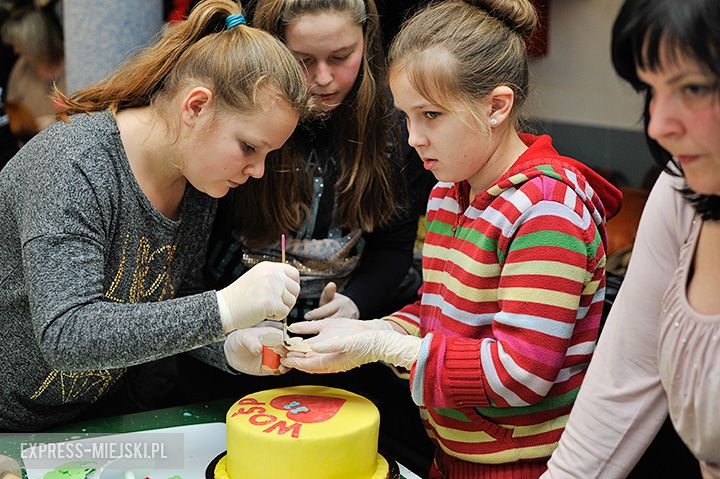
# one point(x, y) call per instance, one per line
point(464, 375)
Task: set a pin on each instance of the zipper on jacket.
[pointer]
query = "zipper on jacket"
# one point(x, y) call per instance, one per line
point(461, 210)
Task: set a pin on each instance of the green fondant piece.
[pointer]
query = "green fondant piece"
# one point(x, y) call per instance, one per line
point(71, 470)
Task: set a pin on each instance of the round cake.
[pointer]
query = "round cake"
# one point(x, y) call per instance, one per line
point(302, 432)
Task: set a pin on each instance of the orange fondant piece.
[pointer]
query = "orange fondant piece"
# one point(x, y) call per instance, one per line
point(270, 358)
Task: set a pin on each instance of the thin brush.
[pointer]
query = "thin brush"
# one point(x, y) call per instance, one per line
point(286, 338)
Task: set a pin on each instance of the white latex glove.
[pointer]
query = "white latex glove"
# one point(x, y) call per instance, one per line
point(331, 327)
point(267, 291)
point(341, 352)
point(333, 305)
point(243, 349)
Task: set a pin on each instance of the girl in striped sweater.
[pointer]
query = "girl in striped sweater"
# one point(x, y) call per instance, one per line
point(513, 260)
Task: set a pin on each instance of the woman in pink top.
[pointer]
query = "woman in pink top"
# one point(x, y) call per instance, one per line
point(660, 350)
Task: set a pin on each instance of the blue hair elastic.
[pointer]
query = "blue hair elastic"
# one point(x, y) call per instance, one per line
point(234, 20)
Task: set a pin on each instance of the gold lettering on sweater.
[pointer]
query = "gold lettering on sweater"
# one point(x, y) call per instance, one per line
point(76, 385)
point(144, 283)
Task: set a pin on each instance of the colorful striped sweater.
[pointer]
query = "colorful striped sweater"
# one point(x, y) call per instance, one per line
point(513, 287)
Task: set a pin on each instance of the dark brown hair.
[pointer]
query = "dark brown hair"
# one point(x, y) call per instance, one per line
point(280, 201)
point(643, 32)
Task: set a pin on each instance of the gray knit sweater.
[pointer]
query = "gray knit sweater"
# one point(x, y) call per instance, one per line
point(88, 273)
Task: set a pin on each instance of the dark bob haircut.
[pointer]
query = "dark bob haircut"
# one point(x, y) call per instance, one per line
point(643, 32)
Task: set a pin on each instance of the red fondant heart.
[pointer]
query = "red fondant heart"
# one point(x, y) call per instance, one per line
point(310, 409)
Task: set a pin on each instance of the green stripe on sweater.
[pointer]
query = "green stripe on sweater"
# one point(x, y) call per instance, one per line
point(468, 234)
point(595, 243)
point(478, 239)
point(439, 228)
point(549, 238)
point(546, 404)
point(452, 414)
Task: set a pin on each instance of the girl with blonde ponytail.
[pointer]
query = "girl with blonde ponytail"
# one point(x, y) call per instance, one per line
point(106, 217)
point(513, 259)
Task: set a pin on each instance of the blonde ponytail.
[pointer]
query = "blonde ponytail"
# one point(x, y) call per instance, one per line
point(234, 63)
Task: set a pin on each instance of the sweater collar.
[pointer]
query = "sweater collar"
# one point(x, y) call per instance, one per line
point(541, 151)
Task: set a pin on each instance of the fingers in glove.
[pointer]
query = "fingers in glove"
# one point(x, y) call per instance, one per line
point(289, 299)
point(295, 354)
point(332, 345)
point(328, 293)
point(291, 362)
point(253, 339)
point(327, 328)
point(271, 337)
point(276, 309)
point(249, 342)
point(244, 340)
point(314, 363)
point(325, 311)
point(292, 273)
point(307, 327)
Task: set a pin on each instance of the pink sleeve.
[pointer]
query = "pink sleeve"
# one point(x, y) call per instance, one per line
point(622, 404)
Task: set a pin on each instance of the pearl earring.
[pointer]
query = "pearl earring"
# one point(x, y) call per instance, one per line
point(493, 121)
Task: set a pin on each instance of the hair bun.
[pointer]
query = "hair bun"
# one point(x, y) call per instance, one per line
point(519, 15)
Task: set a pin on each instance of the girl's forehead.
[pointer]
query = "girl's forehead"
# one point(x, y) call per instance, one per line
point(317, 18)
point(323, 32)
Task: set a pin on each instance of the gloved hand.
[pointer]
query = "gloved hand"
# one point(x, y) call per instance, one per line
point(334, 350)
point(267, 291)
point(333, 305)
point(243, 349)
point(331, 327)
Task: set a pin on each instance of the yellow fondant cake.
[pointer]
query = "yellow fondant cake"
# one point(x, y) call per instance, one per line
point(302, 432)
